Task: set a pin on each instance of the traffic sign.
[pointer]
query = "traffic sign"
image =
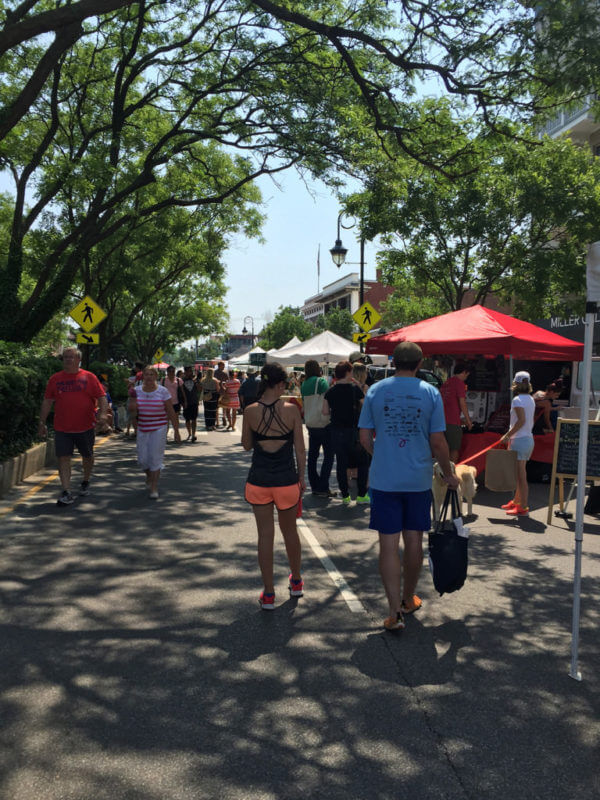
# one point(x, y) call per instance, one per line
point(366, 317)
point(88, 338)
point(87, 314)
point(158, 355)
point(361, 338)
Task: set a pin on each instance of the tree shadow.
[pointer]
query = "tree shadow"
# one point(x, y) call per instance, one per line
point(136, 662)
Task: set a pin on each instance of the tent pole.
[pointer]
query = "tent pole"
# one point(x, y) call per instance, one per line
point(590, 315)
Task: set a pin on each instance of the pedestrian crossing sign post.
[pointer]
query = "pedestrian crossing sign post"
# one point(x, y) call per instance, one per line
point(87, 314)
point(366, 317)
point(158, 355)
point(361, 338)
point(87, 338)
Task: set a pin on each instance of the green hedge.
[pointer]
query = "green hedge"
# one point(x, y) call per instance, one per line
point(117, 378)
point(23, 377)
point(24, 372)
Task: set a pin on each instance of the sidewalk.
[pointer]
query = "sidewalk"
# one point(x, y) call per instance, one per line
point(138, 666)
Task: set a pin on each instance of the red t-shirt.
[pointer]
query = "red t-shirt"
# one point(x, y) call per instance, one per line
point(451, 391)
point(74, 395)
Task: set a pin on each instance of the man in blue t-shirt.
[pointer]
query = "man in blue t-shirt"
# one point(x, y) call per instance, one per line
point(402, 424)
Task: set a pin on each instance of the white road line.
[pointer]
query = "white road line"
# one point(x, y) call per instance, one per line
point(336, 576)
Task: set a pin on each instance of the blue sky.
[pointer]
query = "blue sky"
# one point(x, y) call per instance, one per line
point(283, 270)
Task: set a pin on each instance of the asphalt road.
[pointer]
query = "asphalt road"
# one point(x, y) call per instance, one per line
point(137, 664)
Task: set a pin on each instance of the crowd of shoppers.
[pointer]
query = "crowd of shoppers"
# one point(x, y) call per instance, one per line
point(386, 434)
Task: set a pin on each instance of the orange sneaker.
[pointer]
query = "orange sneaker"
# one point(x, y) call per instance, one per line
point(394, 623)
point(518, 511)
point(510, 504)
point(412, 605)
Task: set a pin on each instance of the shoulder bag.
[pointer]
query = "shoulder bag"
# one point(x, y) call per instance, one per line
point(313, 409)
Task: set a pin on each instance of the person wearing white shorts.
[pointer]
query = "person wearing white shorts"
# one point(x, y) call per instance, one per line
point(151, 448)
point(153, 406)
point(520, 439)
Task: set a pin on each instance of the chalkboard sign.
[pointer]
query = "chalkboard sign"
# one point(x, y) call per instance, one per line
point(567, 434)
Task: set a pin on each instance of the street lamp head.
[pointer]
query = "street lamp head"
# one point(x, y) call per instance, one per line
point(244, 330)
point(338, 253)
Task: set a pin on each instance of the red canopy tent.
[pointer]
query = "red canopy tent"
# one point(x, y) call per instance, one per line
point(480, 331)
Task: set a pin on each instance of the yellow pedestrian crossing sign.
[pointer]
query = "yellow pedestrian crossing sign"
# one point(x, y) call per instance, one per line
point(158, 355)
point(366, 317)
point(87, 314)
point(88, 338)
point(361, 338)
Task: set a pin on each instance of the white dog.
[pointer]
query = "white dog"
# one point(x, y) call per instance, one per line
point(466, 487)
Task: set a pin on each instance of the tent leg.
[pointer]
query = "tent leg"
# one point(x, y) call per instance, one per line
point(581, 476)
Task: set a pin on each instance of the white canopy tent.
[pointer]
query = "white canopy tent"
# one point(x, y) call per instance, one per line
point(244, 358)
point(326, 348)
point(294, 340)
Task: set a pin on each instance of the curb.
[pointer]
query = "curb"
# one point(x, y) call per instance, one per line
point(18, 468)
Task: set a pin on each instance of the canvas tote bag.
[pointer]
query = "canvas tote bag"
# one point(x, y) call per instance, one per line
point(313, 413)
point(501, 470)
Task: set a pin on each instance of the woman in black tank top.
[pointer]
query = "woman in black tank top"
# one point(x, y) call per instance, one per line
point(272, 429)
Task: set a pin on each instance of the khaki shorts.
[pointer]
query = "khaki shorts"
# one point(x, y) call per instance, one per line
point(454, 436)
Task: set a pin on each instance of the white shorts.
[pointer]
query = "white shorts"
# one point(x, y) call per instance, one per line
point(151, 448)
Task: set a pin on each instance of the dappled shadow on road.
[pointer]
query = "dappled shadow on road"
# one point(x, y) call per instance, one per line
point(503, 662)
point(134, 667)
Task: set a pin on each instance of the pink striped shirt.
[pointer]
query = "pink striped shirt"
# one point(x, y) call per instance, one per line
point(151, 408)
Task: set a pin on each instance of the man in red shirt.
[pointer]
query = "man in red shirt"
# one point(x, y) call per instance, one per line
point(74, 392)
point(454, 393)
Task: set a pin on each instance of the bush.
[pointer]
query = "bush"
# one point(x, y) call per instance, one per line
point(23, 377)
point(117, 378)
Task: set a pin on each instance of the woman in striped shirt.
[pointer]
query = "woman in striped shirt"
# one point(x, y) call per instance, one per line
point(153, 407)
point(231, 399)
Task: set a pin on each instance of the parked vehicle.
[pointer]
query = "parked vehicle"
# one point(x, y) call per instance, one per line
point(576, 381)
point(379, 373)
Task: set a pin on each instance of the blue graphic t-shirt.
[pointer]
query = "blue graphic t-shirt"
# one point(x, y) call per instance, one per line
point(403, 412)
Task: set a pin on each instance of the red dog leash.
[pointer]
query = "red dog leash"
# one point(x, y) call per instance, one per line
point(480, 453)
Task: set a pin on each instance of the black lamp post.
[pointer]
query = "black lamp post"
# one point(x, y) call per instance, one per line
point(245, 329)
point(338, 254)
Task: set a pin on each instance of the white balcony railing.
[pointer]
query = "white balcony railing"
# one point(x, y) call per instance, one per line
point(565, 120)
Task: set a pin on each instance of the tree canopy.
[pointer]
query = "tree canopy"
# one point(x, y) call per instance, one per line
point(516, 225)
point(114, 112)
point(287, 323)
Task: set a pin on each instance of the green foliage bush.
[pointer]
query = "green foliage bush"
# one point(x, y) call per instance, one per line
point(24, 373)
point(117, 378)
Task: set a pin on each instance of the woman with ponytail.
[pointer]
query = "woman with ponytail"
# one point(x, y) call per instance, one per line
point(520, 438)
point(272, 429)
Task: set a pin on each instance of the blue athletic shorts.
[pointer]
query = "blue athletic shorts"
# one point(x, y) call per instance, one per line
point(523, 447)
point(393, 512)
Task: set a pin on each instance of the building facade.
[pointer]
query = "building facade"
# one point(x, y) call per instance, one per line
point(344, 293)
point(579, 124)
point(236, 344)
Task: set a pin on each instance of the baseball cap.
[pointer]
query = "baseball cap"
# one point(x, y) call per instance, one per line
point(358, 356)
point(522, 376)
point(407, 352)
